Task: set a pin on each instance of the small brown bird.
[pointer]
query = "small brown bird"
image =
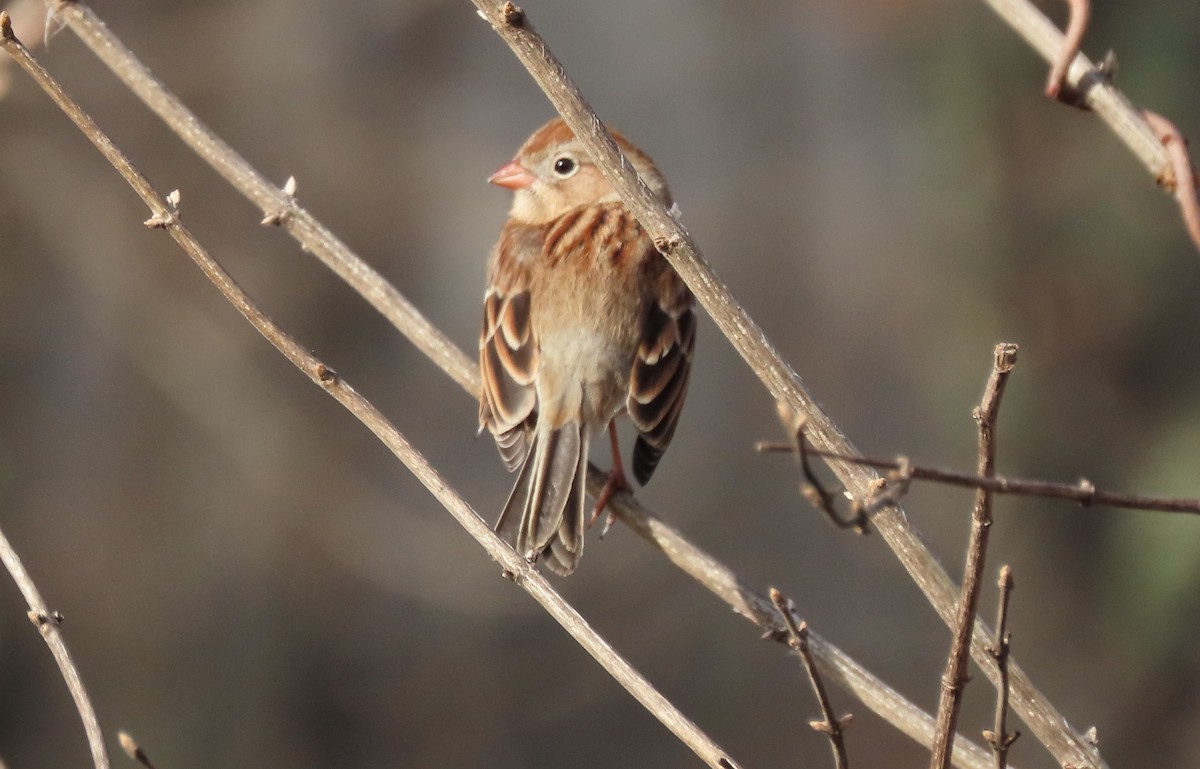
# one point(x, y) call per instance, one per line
point(583, 320)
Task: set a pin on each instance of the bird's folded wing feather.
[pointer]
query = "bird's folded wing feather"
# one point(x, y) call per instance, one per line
point(508, 363)
point(659, 379)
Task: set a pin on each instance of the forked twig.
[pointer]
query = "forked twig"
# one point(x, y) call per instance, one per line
point(955, 676)
point(165, 215)
point(998, 736)
point(829, 725)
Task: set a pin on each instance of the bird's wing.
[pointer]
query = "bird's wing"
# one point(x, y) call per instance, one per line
point(508, 360)
point(659, 380)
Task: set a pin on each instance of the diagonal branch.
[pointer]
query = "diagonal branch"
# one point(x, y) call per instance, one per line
point(165, 215)
point(511, 24)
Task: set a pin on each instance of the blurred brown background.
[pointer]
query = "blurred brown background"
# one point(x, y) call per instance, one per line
point(250, 579)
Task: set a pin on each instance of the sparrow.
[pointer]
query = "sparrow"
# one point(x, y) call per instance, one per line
point(583, 320)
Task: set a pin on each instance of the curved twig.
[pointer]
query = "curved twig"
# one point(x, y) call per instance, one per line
point(1081, 11)
point(1182, 179)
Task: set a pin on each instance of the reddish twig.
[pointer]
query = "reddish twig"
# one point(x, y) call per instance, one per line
point(1182, 180)
point(1072, 41)
point(955, 676)
point(829, 725)
point(998, 736)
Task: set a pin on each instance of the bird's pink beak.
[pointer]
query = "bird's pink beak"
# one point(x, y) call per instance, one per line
point(513, 176)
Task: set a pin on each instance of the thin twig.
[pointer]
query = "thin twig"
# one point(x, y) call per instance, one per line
point(47, 623)
point(811, 487)
point(513, 26)
point(165, 215)
point(954, 678)
point(1182, 180)
point(998, 736)
point(829, 725)
point(317, 239)
point(1083, 491)
point(1080, 13)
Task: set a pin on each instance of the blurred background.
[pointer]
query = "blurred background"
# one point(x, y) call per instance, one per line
point(250, 579)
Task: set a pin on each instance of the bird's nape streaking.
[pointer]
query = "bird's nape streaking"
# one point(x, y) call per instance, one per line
point(583, 320)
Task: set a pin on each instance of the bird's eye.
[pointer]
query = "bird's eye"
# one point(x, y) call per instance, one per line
point(565, 166)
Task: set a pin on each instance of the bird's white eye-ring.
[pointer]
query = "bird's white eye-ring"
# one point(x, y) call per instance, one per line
point(565, 167)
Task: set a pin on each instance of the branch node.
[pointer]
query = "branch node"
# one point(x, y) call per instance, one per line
point(41, 621)
point(6, 26)
point(169, 217)
point(1087, 490)
point(133, 750)
point(514, 16)
point(325, 375)
point(667, 244)
point(286, 208)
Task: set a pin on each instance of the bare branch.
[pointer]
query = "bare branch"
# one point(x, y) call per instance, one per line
point(1082, 491)
point(998, 736)
point(830, 725)
point(47, 623)
point(954, 679)
point(523, 573)
point(764, 359)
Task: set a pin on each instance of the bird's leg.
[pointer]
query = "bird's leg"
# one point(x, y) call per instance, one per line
point(616, 482)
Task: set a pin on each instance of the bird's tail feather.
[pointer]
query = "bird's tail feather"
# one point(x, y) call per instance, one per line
point(545, 512)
